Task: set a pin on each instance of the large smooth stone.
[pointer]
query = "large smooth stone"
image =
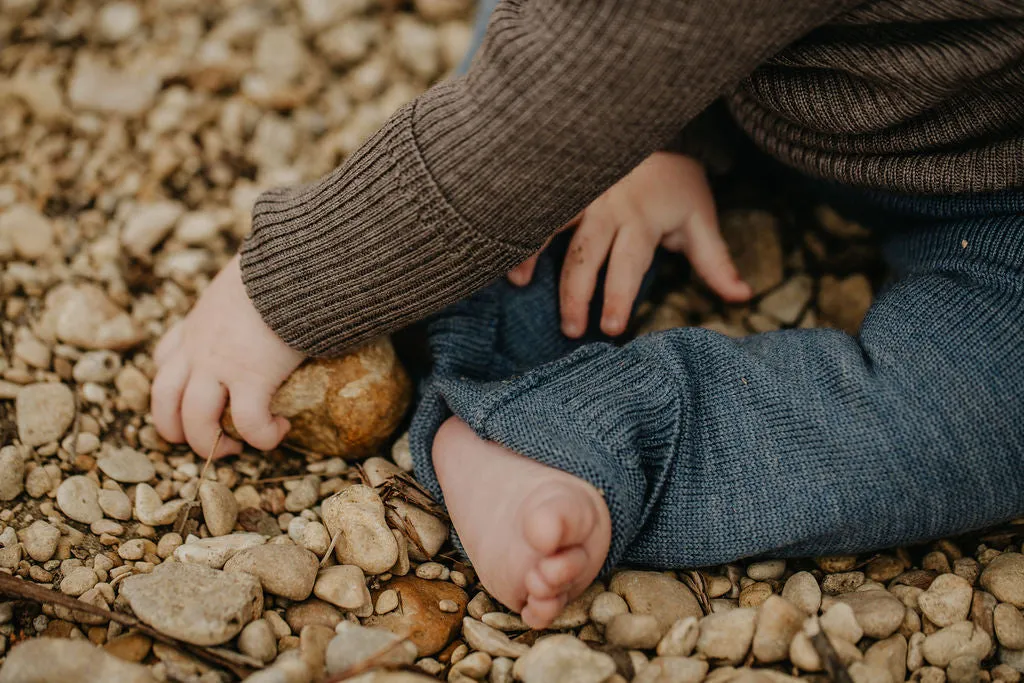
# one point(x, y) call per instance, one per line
point(346, 407)
point(420, 619)
point(194, 603)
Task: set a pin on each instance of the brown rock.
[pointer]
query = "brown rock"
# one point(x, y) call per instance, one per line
point(418, 617)
point(131, 647)
point(753, 239)
point(347, 406)
point(312, 612)
point(844, 303)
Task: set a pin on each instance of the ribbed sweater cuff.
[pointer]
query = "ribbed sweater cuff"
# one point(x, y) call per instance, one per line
point(367, 249)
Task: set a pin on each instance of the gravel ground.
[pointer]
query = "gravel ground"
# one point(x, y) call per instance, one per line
point(134, 137)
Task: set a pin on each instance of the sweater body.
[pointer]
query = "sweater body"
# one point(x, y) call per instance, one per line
point(564, 97)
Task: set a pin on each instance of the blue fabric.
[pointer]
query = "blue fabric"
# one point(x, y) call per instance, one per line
point(797, 442)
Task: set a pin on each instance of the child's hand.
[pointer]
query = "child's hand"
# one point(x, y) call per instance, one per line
point(665, 200)
point(222, 347)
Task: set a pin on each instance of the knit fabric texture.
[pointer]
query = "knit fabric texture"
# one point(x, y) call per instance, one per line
point(799, 442)
point(564, 97)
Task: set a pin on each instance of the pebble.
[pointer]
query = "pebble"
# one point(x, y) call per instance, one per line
point(39, 540)
point(766, 570)
point(430, 531)
point(607, 605)
point(965, 669)
point(755, 594)
point(28, 231)
point(778, 621)
point(1004, 578)
point(12, 473)
point(214, 552)
point(1009, 626)
point(283, 569)
point(565, 659)
point(387, 601)
point(312, 612)
point(960, 639)
point(148, 224)
point(842, 582)
point(152, 510)
point(303, 496)
point(879, 613)
point(889, 655)
point(133, 389)
point(37, 482)
point(785, 304)
point(100, 367)
point(754, 243)
point(83, 315)
point(78, 581)
point(131, 647)
point(78, 498)
point(482, 637)
point(114, 504)
point(839, 621)
point(947, 600)
point(473, 666)
point(344, 586)
point(802, 590)
point(353, 644)
point(844, 302)
point(365, 540)
point(725, 638)
point(659, 595)
point(673, 670)
point(211, 606)
point(421, 618)
point(57, 660)
point(118, 20)
point(633, 631)
point(315, 538)
point(44, 412)
point(220, 509)
point(257, 641)
point(127, 466)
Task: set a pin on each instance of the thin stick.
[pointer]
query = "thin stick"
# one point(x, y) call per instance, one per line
point(181, 525)
point(30, 591)
point(835, 669)
point(330, 548)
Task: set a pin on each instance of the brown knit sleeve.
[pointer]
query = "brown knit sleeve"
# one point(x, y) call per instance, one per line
point(563, 99)
point(711, 138)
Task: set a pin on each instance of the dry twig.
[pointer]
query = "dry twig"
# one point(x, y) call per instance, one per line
point(26, 590)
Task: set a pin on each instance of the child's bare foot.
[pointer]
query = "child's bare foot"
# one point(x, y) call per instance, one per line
point(537, 536)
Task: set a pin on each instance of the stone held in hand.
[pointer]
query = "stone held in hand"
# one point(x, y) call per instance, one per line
point(345, 407)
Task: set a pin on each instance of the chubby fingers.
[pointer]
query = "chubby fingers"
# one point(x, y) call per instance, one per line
point(168, 388)
point(587, 252)
point(631, 256)
point(707, 252)
point(201, 407)
point(250, 412)
point(521, 275)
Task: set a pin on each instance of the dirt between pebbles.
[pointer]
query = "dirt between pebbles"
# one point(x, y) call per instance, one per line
point(134, 137)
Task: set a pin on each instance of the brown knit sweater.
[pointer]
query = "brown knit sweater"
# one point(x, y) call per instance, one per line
point(566, 96)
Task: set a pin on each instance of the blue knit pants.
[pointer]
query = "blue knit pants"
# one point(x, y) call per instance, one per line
point(798, 442)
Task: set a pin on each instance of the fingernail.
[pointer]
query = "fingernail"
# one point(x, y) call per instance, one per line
point(571, 329)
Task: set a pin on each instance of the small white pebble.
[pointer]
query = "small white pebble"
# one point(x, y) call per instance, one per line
point(448, 606)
